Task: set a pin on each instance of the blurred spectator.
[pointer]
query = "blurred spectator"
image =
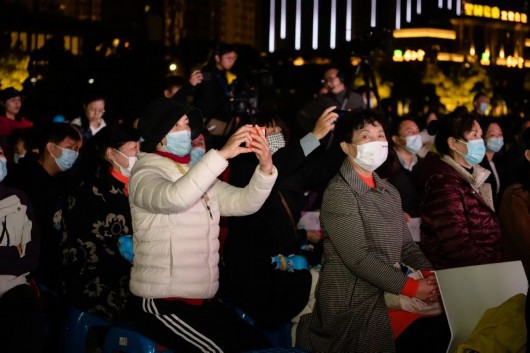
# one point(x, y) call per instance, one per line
point(515, 212)
point(269, 296)
point(97, 276)
point(213, 93)
point(42, 180)
point(338, 94)
point(458, 222)
point(494, 140)
point(481, 105)
point(91, 120)
point(403, 168)
point(10, 119)
point(426, 137)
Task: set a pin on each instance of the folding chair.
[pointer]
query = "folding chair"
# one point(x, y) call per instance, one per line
point(468, 291)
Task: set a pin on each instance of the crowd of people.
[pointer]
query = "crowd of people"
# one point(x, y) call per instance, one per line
point(186, 222)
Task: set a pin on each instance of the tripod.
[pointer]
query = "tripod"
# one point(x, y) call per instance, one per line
point(365, 68)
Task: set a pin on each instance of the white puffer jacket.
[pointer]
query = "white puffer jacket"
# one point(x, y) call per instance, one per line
point(176, 245)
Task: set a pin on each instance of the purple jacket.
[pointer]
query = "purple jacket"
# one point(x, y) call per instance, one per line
point(459, 226)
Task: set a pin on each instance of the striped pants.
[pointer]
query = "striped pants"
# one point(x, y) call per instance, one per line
point(209, 328)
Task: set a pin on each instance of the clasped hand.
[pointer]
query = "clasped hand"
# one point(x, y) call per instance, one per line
point(428, 290)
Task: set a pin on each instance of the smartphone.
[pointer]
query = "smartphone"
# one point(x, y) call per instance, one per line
point(342, 113)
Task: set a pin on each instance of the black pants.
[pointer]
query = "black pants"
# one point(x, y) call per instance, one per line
point(426, 334)
point(210, 327)
point(21, 321)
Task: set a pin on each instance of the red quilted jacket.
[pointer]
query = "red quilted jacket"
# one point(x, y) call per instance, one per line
point(458, 227)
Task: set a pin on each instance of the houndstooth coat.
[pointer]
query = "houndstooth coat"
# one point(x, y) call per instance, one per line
point(366, 234)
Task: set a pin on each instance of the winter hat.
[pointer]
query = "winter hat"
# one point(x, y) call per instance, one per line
point(160, 116)
point(8, 93)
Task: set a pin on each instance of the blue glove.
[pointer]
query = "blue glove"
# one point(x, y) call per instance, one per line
point(290, 263)
point(125, 246)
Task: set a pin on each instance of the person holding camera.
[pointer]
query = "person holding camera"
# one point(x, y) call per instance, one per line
point(337, 94)
point(212, 96)
point(175, 208)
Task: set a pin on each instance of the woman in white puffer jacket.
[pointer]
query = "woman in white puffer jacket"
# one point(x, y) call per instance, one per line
point(175, 211)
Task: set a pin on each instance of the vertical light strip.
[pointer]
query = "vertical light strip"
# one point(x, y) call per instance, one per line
point(441, 4)
point(398, 14)
point(315, 24)
point(333, 25)
point(298, 26)
point(418, 7)
point(272, 32)
point(283, 19)
point(409, 11)
point(458, 7)
point(374, 14)
point(348, 21)
point(449, 4)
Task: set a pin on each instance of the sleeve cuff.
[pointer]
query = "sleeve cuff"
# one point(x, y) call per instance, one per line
point(309, 143)
point(410, 288)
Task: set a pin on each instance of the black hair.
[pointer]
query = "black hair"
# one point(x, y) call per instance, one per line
point(269, 120)
point(455, 125)
point(396, 124)
point(90, 97)
point(220, 49)
point(57, 132)
point(92, 158)
point(485, 124)
point(223, 48)
point(349, 123)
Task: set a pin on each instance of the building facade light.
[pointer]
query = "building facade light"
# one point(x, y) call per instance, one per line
point(425, 33)
point(493, 12)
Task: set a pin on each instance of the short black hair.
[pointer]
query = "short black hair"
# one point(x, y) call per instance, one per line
point(396, 124)
point(455, 125)
point(224, 48)
point(356, 120)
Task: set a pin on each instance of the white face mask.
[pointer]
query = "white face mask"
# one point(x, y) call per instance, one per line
point(132, 161)
point(413, 143)
point(371, 155)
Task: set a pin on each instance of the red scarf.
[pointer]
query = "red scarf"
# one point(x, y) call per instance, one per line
point(182, 160)
point(125, 180)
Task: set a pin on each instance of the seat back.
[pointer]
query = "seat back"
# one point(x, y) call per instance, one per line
point(468, 291)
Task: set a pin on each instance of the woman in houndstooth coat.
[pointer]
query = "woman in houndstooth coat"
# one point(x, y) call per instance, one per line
point(366, 235)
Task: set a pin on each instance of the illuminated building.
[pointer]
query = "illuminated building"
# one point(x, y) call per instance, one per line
point(491, 32)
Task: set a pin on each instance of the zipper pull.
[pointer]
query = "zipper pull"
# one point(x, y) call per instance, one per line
point(206, 199)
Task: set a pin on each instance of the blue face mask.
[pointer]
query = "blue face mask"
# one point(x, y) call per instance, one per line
point(494, 144)
point(483, 107)
point(67, 158)
point(476, 150)
point(3, 168)
point(179, 143)
point(414, 143)
point(196, 154)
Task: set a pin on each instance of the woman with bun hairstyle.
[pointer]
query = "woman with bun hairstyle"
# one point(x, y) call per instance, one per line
point(96, 275)
point(458, 222)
